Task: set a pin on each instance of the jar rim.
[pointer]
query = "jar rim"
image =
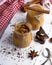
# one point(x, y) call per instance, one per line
point(22, 23)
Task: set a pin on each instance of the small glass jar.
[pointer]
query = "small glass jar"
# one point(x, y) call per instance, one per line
point(22, 39)
point(35, 18)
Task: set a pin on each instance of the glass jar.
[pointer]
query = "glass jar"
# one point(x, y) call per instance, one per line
point(35, 18)
point(22, 39)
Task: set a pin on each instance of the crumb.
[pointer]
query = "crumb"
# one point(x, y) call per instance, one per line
point(51, 23)
point(4, 48)
point(15, 49)
point(9, 52)
point(4, 51)
point(50, 40)
point(11, 57)
point(12, 25)
point(18, 53)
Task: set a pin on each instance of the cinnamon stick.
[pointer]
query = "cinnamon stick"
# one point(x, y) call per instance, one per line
point(32, 2)
point(38, 10)
point(29, 3)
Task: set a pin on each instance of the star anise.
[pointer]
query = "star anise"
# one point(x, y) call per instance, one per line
point(33, 54)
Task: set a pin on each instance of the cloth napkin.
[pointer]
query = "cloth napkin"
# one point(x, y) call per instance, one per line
point(0, 0)
point(51, 1)
point(7, 11)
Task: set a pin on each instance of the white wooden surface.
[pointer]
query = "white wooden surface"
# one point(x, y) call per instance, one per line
point(7, 43)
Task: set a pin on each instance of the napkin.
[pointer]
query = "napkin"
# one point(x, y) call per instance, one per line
point(7, 11)
point(0, 0)
point(51, 1)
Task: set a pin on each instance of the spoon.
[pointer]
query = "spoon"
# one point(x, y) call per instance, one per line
point(48, 56)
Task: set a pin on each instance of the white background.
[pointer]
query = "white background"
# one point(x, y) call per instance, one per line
point(5, 42)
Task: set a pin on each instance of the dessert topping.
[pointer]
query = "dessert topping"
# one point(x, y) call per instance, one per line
point(33, 54)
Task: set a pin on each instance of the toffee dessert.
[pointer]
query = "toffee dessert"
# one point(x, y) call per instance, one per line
point(35, 18)
point(22, 34)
